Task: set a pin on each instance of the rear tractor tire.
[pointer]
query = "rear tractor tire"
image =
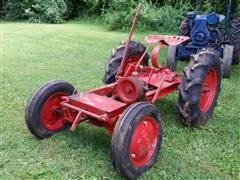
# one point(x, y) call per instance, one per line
point(226, 61)
point(184, 29)
point(43, 115)
point(200, 88)
point(171, 58)
point(234, 38)
point(136, 140)
point(135, 52)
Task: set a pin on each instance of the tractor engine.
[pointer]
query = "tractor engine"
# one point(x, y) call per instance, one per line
point(202, 29)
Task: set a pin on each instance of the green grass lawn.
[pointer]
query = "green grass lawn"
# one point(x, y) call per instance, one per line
point(32, 54)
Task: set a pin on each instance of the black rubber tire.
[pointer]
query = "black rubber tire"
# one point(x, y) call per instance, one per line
point(184, 29)
point(112, 65)
point(122, 136)
point(171, 58)
point(226, 61)
point(34, 105)
point(191, 86)
point(234, 38)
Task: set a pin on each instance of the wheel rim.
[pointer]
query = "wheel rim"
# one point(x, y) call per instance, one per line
point(208, 90)
point(51, 115)
point(143, 141)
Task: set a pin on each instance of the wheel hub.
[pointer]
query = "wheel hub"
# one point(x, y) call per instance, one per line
point(51, 115)
point(144, 141)
point(208, 90)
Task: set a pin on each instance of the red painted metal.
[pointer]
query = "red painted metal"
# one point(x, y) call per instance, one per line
point(143, 141)
point(76, 121)
point(134, 82)
point(123, 62)
point(166, 39)
point(140, 60)
point(51, 115)
point(135, 60)
point(154, 99)
point(154, 56)
point(208, 90)
point(129, 90)
point(103, 105)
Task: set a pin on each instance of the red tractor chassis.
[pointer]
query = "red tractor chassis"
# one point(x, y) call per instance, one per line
point(125, 106)
point(103, 106)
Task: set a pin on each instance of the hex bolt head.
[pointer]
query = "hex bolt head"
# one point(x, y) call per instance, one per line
point(133, 155)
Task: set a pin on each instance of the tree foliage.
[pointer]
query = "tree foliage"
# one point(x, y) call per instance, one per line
point(153, 17)
point(117, 14)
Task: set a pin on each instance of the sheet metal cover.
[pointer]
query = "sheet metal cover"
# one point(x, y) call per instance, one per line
point(167, 39)
point(99, 102)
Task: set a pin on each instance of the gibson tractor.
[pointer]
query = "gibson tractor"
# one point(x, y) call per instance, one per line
point(124, 106)
point(205, 31)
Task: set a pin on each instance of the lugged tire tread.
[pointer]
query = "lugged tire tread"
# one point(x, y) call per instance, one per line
point(113, 63)
point(188, 103)
point(234, 38)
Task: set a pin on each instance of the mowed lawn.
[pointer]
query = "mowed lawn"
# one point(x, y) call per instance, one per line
point(32, 54)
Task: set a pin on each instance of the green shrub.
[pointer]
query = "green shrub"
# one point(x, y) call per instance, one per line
point(16, 9)
point(117, 14)
point(40, 11)
point(89, 8)
point(206, 6)
point(165, 18)
point(47, 11)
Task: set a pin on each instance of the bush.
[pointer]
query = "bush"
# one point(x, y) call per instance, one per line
point(47, 11)
point(40, 11)
point(117, 14)
point(165, 18)
point(54, 11)
point(16, 9)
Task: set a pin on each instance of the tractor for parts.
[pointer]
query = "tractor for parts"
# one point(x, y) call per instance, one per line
point(205, 31)
point(125, 105)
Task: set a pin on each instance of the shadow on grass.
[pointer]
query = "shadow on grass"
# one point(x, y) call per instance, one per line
point(90, 135)
point(169, 112)
point(98, 138)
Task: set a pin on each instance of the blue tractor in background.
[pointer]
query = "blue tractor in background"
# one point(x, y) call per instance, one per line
point(207, 31)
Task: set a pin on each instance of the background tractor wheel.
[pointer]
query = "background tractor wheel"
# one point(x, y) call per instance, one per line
point(226, 61)
point(44, 115)
point(200, 88)
point(184, 28)
point(134, 54)
point(234, 38)
point(136, 139)
point(171, 58)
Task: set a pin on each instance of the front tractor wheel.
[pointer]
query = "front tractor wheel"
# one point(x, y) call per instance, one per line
point(44, 115)
point(136, 140)
point(200, 88)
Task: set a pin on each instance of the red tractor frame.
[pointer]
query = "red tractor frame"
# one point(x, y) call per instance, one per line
point(125, 107)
